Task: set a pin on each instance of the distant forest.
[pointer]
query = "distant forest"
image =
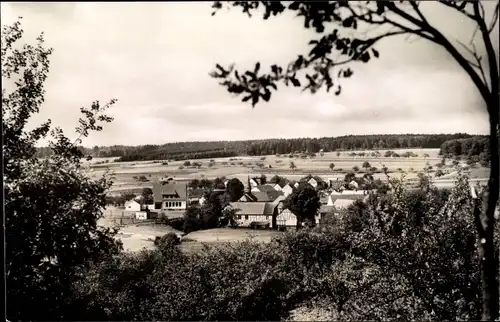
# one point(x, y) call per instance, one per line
point(450, 144)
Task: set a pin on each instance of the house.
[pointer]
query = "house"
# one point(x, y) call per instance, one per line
point(263, 188)
point(247, 197)
point(287, 190)
point(170, 195)
point(132, 205)
point(251, 214)
point(254, 182)
point(278, 187)
point(346, 195)
point(286, 219)
point(353, 184)
point(141, 215)
point(194, 195)
point(313, 182)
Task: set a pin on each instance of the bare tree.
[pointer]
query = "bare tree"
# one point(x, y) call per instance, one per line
point(327, 63)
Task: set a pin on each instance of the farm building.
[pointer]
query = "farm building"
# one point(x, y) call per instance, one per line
point(258, 196)
point(170, 195)
point(346, 195)
point(251, 214)
point(194, 195)
point(132, 205)
point(286, 219)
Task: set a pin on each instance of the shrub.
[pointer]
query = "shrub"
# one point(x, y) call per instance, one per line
point(167, 240)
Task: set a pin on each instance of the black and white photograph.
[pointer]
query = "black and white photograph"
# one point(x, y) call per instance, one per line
point(251, 160)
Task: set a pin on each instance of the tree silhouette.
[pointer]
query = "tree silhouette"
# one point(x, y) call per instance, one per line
point(51, 206)
point(327, 62)
point(366, 165)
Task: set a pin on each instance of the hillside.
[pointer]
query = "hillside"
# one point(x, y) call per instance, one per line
point(217, 149)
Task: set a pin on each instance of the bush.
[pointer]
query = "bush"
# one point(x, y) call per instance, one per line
point(402, 256)
point(167, 240)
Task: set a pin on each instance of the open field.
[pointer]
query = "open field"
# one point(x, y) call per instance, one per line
point(141, 235)
point(241, 167)
point(195, 240)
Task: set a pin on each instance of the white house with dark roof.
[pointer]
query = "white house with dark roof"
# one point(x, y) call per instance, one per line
point(170, 196)
point(286, 219)
point(132, 205)
point(254, 213)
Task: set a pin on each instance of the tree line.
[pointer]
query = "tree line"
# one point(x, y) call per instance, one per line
point(218, 149)
point(474, 148)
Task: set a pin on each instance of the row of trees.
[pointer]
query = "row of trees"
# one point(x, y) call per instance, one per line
point(219, 149)
point(467, 148)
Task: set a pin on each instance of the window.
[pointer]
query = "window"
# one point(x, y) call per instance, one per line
point(267, 217)
point(239, 217)
point(246, 217)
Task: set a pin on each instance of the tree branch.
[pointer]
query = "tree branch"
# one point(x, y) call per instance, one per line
point(451, 4)
point(415, 5)
point(443, 41)
point(494, 18)
point(478, 59)
point(492, 61)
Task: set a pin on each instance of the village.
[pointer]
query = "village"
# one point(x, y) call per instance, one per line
point(260, 206)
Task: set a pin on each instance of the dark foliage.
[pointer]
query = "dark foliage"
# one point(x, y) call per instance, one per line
point(198, 150)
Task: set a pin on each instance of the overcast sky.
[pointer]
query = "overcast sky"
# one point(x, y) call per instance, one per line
point(155, 59)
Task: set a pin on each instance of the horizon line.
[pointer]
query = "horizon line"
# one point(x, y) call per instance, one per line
point(290, 138)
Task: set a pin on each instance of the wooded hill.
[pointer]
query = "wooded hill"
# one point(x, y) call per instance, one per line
point(216, 149)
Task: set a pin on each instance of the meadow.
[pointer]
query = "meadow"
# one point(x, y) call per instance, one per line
point(125, 174)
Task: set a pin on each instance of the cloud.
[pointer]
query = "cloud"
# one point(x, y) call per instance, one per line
point(155, 58)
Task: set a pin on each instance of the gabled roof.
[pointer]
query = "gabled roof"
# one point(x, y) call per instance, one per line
point(265, 188)
point(279, 199)
point(254, 208)
point(248, 197)
point(267, 196)
point(174, 189)
point(261, 196)
point(196, 193)
point(249, 208)
point(281, 184)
